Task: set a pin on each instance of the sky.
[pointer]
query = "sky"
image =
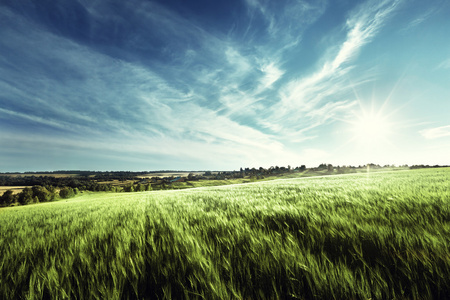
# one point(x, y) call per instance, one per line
point(218, 85)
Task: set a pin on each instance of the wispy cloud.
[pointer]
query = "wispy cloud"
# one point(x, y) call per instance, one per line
point(155, 80)
point(128, 96)
point(109, 99)
point(435, 133)
point(271, 74)
point(300, 99)
point(279, 18)
point(330, 110)
point(421, 18)
point(444, 65)
point(32, 118)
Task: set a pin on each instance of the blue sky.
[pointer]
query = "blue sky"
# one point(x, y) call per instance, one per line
point(218, 85)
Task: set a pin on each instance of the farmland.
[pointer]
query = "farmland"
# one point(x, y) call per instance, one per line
point(382, 236)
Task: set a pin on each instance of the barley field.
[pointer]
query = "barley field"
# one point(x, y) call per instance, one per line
point(378, 236)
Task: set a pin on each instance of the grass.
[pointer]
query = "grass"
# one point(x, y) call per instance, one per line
point(301, 174)
point(383, 236)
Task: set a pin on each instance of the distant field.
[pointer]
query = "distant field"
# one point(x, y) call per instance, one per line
point(382, 236)
point(15, 189)
point(38, 174)
point(117, 182)
point(168, 174)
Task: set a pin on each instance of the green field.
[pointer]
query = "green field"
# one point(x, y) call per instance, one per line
point(383, 236)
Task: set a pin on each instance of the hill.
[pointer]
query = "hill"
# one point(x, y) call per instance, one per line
point(381, 236)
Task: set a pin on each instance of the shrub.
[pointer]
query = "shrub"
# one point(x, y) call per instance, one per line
point(66, 192)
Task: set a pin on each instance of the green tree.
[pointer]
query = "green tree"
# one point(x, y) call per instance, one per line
point(26, 196)
point(66, 192)
point(139, 188)
point(7, 198)
point(42, 193)
point(128, 188)
point(330, 168)
point(322, 166)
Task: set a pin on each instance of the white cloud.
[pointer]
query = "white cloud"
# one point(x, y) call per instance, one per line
point(205, 100)
point(271, 74)
point(35, 119)
point(286, 23)
point(435, 133)
point(239, 63)
point(420, 19)
point(330, 109)
point(300, 97)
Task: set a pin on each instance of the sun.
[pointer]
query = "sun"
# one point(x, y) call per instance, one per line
point(371, 128)
point(370, 132)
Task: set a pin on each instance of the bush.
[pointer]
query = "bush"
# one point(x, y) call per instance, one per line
point(66, 192)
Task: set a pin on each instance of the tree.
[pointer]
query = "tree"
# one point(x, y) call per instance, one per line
point(128, 188)
point(322, 166)
point(26, 196)
point(66, 192)
point(139, 188)
point(42, 193)
point(7, 198)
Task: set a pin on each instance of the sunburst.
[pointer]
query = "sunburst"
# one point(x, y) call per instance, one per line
point(371, 128)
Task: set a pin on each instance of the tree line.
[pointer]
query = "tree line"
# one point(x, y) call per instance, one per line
point(48, 193)
point(47, 187)
point(28, 195)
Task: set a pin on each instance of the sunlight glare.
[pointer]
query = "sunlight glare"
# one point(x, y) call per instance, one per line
point(371, 128)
